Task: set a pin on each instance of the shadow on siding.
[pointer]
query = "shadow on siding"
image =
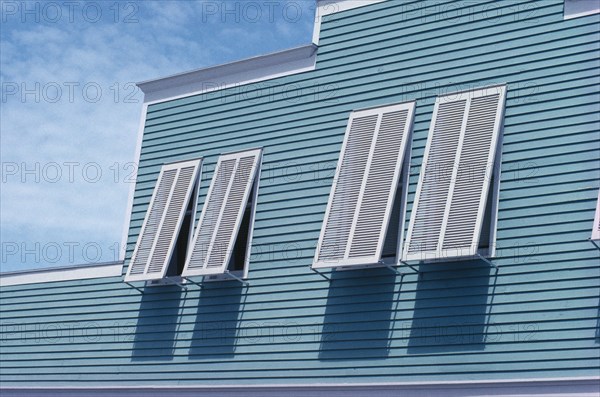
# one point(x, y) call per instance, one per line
point(216, 329)
point(156, 329)
point(451, 308)
point(358, 317)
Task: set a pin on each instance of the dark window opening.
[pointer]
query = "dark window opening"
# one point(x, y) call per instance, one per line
point(390, 245)
point(240, 248)
point(177, 262)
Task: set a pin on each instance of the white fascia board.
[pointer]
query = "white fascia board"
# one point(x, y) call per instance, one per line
point(81, 272)
point(214, 78)
point(131, 194)
point(556, 387)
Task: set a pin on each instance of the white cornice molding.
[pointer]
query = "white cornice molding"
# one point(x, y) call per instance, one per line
point(557, 387)
point(250, 70)
point(246, 71)
point(66, 273)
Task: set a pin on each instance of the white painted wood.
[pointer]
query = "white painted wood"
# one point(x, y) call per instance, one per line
point(465, 203)
point(555, 387)
point(57, 274)
point(596, 227)
point(131, 194)
point(169, 201)
point(361, 200)
point(228, 196)
point(234, 74)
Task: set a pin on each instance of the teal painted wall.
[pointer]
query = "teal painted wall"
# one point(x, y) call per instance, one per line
point(536, 318)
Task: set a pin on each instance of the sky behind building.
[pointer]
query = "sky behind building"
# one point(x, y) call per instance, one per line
point(70, 108)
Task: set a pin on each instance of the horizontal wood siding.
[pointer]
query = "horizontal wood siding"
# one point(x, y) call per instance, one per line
point(537, 317)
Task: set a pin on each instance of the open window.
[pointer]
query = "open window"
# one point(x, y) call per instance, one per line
point(596, 227)
point(365, 211)
point(455, 208)
point(221, 243)
point(167, 228)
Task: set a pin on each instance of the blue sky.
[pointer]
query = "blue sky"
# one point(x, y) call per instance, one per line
point(70, 112)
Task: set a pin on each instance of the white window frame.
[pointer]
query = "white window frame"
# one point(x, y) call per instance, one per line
point(596, 228)
point(495, 153)
point(406, 147)
point(213, 274)
point(193, 192)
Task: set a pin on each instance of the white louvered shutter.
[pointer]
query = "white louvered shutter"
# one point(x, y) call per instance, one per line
point(222, 214)
point(163, 221)
point(456, 174)
point(361, 199)
point(596, 230)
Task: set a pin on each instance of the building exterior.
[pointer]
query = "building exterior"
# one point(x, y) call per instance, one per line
point(402, 207)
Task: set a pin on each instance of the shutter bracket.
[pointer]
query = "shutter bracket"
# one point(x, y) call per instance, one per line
point(134, 287)
point(486, 260)
point(236, 277)
point(192, 281)
point(321, 274)
point(406, 264)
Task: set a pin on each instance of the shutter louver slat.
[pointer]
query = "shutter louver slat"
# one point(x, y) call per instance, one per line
point(210, 213)
point(371, 217)
point(155, 213)
point(221, 217)
point(163, 221)
point(173, 216)
point(472, 174)
point(452, 195)
point(360, 204)
point(347, 189)
point(437, 174)
point(234, 207)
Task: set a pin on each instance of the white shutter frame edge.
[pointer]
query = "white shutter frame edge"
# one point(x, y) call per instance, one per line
point(596, 229)
point(204, 271)
point(254, 194)
point(495, 148)
point(405, 180)
point(495, 191)
point(406, 142)
point(411, 224)
point(166, 167)
point(494, 152)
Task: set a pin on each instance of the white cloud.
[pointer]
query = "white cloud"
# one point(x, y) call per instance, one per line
point(170, 37)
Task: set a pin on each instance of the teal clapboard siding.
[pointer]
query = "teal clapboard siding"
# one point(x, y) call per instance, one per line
point(537, 317)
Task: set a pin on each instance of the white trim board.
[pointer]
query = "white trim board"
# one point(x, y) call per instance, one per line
point(249, 70)
point(215, 78)
point(129, 209)
point(67, 273)
point(557, 387)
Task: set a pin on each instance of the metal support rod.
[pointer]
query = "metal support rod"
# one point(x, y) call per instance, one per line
point(489, 262)
point(595, 244)
point(176, 283)
point(134, 287)
point(320, 274)
point(411, 267)
point(391, 268)
point(193, 282)
point(237, 278)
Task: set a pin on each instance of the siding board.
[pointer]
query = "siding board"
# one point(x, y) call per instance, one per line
point(537, 317)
